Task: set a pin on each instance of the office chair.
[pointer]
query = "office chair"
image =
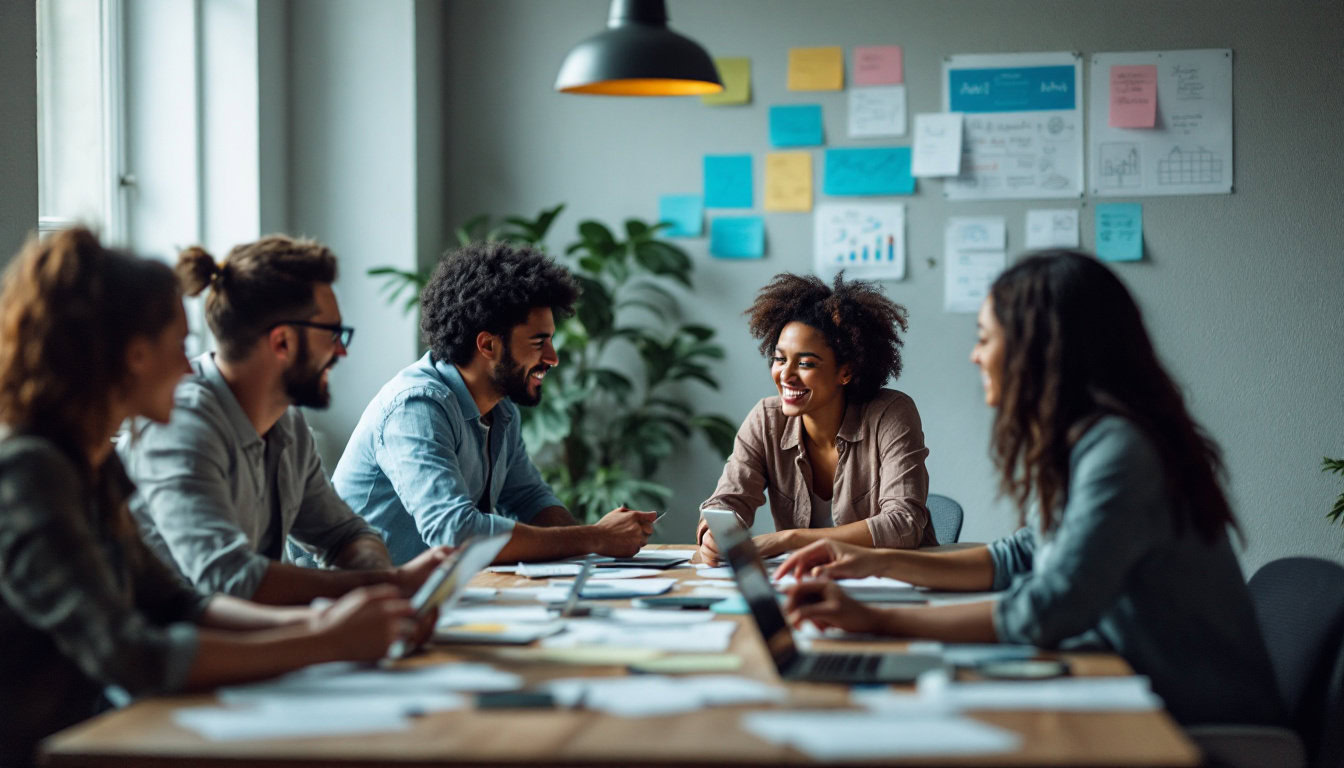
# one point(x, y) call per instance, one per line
point(946, 515)
point(1300, 605)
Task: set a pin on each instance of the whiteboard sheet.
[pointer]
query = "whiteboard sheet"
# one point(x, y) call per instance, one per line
point(1189, 151)
point(1024, 125)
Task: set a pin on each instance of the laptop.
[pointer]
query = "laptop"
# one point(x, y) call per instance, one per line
point(736, 547)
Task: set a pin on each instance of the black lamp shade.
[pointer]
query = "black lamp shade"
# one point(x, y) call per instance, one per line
point(637, 55)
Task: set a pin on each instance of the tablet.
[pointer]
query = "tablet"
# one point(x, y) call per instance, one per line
point(445, 585)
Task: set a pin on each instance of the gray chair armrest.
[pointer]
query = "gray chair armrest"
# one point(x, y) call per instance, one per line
point(1248, 746)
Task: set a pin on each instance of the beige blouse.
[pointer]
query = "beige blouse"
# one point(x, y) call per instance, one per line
point(879, 474)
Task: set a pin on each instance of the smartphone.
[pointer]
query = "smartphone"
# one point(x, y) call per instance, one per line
point(515, 700)
point(676, 602)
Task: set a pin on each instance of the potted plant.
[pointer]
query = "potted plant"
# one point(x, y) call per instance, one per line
point(1336, 513)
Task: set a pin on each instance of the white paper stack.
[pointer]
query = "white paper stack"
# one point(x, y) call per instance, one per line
point(649, 695)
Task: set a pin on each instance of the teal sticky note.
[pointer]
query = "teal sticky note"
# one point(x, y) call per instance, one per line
point(728, 181)
point(686, 214)
point(737, 237)
point(796, 125)
point(868, 171)
point(1120, 231)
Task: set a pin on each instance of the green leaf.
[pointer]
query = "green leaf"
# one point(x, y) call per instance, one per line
point(700, 332)
point(636, 229)
point(596, 236)
point(466, 233)
point(545, 219)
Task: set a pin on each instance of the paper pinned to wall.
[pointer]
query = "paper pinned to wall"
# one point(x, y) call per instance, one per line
point(1133, 96)
point(728, 181)
point(864, 239)
point(816, 69)
point(788, 181)
point(875, 171)
point(737, 237)
point(973, 255)
point(877, 111)
point(1053, 228)
point(937, 149)
point(1188, 151)
point(686, 214)
point(795, 125)
point(878, 65)
point(735, 72)
point(1119, 231)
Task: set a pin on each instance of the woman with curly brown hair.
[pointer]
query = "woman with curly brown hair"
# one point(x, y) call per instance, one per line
point(90, 337)
point(1124, 544)
point(840, 457)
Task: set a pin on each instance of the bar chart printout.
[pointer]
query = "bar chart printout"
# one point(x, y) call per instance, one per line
point(865, 240)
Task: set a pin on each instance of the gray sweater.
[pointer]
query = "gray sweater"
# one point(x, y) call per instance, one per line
point(1116, 574)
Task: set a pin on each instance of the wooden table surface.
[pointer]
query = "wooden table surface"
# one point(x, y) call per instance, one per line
point(144, 734)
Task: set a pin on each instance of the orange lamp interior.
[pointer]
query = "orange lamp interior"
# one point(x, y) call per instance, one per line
point(647, 87)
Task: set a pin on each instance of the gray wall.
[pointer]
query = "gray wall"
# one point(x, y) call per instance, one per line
point(18, 125)
point(1242, 292)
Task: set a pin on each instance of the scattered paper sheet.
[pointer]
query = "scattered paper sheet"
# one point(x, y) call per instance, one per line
point(737, 237)
point(1055, 228)
point(605, 590)
point(660, 616)
point(937, 144)
point(1085, 694)
point(788, 181)
point(878, 65)
point(869, 171)
point(973, 255)
point(867, 240)
point(873, 589)
point(686, 214)
point(703, 637)
point(728, 181)
point(496, 633)
point(496, 614)
point(297, 719)
point(679, 664)
point(552, 570)
point(1133, 96)
point(846, 735)
point(735, 72)
point(649, 695)
point(795, 125)
point(720, 572)
point(816, 69)
point(346, 679)
point(1119, 231)
point(877, 111)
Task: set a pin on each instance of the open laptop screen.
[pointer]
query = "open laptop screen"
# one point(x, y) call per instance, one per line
point(741, 553)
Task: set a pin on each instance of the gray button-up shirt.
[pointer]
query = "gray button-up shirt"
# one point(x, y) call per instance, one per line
point(215, 498)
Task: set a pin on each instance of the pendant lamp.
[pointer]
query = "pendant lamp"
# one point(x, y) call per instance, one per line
point(638, 55)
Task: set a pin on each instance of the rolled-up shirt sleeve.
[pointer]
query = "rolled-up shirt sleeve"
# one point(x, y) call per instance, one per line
point(1012, 557)
point(1108, 524)
point(416, 449)
point(902, 521)
point(183, 478)
point(742, 483)
point(53, 574)
point(325, 524)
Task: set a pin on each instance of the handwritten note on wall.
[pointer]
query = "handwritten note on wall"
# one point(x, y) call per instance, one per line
point(1119, 231)
point(737, 237)
point(728, 181)
point(878, 65)
point(1134, 96)
point(875, 112)
point(816, 69)
point(788, 181)
point(973, 255)
point(875, 171)
point(795, 125)
point(685, 213)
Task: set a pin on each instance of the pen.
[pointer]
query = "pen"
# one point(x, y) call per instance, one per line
point(575, 590)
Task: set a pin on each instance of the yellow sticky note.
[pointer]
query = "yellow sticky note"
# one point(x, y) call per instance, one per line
point(816, 69)
point(736, 76)
point(788, 181)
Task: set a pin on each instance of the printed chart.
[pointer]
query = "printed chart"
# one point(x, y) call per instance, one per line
point(865, 240)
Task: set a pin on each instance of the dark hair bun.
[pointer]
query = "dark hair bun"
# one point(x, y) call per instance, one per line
point(196, 269)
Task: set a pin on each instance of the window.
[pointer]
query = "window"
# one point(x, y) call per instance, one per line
point(79, 116)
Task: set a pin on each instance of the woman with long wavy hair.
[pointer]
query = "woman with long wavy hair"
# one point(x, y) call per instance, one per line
point(90, 337)
point(1124, 545)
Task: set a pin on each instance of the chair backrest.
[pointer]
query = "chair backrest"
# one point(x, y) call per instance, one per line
point(946, 515)
point(1300, 605)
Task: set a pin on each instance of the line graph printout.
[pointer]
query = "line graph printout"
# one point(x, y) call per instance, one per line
point(866, 240)
point(1023, 125)
point(1188, 151)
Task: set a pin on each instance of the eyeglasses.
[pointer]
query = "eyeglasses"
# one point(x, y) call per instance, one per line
point(340, 334)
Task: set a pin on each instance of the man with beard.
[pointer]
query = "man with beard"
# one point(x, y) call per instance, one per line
point(235, 473)
point(438, 456)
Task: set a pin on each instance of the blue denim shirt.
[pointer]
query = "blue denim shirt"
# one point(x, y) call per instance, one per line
point(415, 466)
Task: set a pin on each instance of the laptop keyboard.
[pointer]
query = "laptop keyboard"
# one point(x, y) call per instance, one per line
point(847, 665)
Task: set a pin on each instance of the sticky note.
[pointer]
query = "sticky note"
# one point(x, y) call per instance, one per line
point(686, 214)
point(1134, 96)
point(728, 181)
point(737, 237)
point(875, 171)
point(877, 111)
point(796, 125)
point(735, 72)
point(816, 69)
point(788, 181)
point(1119, 231)
point(878, 65)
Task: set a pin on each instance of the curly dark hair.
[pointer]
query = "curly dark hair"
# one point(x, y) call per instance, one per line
point(489, 287)
point(862, 326)
point(1075, 350)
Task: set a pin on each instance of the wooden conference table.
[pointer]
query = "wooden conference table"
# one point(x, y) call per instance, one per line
point(144, 734)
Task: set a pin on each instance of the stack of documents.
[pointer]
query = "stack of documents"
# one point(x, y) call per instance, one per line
point(832, 735)
point(649, 695)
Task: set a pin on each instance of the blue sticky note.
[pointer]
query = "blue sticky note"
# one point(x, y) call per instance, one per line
point(686, 214)
point(875, 171)
point(1119, 231)
point(796, 125)
point(728, 181)
point(737, 237)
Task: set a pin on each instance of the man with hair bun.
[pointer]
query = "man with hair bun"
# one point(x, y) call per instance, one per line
point(235, 473)
point(438, 456)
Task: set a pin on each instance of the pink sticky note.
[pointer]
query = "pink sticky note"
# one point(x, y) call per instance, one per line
point(878, 65)
point(1134, 96)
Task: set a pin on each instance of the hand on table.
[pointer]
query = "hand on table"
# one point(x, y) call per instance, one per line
point(365, 621)
point(623, 531)
point(832, 559)
point(825, 604)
